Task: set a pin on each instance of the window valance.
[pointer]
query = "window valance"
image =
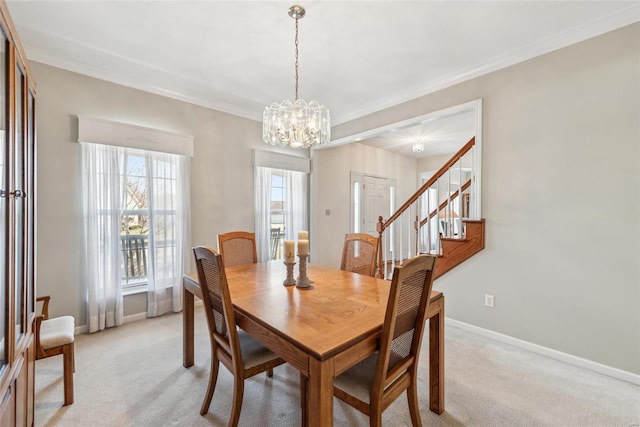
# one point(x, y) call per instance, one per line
point(271, 159)
point(100, 131)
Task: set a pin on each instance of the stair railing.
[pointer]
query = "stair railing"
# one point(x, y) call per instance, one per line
point(436, 210)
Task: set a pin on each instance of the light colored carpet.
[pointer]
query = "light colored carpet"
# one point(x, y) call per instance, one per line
point(133, 376)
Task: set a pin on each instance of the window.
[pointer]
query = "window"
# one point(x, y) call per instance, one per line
point(281, 209)
point(277, 214)
point(134, 230)
point(135, 212)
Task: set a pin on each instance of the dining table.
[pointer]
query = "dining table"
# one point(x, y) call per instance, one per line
point(321, 330)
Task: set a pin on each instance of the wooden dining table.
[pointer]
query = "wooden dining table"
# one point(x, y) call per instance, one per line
point(322, 330)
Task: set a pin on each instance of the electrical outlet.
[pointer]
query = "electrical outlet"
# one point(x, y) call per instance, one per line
point(488, 300)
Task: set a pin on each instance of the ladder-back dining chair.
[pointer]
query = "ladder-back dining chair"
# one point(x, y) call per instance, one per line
point(359, 253)
point(374, 383)
point(243, 356)
point(238, 248)
point(54, 337)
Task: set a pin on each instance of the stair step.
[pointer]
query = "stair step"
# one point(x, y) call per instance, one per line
point(455, 251)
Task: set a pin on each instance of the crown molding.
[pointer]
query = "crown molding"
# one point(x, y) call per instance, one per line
point(577, 34)
point(611, 22)
point(85, 69)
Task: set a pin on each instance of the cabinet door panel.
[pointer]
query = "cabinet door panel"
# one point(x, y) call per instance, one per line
point(30, 203)
point(8, 408)
point(4, 206)
point(19, 191)
point(21, 387)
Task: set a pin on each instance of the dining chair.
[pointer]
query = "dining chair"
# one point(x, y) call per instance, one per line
point(359, 253)
point(373, 384)
point(237, 248)
point(54, 337)
point(243, 356)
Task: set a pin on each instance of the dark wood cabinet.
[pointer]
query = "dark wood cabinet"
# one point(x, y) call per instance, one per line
point(17, 229)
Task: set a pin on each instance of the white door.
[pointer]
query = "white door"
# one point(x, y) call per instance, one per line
point(375, 202)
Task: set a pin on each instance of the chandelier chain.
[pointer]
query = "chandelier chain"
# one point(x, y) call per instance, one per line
point(296, 59)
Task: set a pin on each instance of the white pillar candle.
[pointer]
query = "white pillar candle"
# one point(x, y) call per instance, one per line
point(303, 247)
point(289, 254)
point(303, 235)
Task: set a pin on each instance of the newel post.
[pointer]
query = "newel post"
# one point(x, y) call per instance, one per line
point(379, 229)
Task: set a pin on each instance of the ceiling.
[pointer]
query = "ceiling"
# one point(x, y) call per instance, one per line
point(442, 134)
point(356, 57)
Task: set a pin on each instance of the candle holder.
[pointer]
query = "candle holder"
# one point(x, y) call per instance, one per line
point(289, 280)
point(303, 281)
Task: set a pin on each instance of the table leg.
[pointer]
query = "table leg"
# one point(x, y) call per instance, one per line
point(187, 328)
point(436, 359)
point(320, 393)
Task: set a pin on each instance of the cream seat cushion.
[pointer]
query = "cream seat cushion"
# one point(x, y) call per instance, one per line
point(57, 331)
point(253, 353)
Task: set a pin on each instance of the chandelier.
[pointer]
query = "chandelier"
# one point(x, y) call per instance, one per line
point(296, 124)
point(418, 145)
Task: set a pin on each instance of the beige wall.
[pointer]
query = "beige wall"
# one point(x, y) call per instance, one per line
point(221, 172)
point(330, 189)
point(561, 191)
point(561, 198)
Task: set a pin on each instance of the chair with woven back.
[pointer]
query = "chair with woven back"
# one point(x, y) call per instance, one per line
point(238, 248)
point(374, 383)
point(359, 253)
point(55, 336)
point(243, 356)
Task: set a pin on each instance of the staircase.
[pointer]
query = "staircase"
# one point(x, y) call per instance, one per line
point(441, 218)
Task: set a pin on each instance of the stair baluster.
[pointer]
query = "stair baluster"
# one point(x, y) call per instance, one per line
point(447, 222)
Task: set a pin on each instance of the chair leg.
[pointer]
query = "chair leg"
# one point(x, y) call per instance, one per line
point(412, 397)
point(238, 394)
point(213, 379)
point(270, 372)
point(303, 400)
point(375, 419)
point(67, 360)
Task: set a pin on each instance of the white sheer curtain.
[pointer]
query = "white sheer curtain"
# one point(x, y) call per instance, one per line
point(295, 203)
point(102, 185)
point(104, 201)
point(263, 212)
point(295, 207)
point(168, 191)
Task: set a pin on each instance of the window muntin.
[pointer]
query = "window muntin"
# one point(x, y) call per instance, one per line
point(278, 213)
point(146, 177)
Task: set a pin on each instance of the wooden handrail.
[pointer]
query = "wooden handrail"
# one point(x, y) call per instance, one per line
point(381, 226)
point(429, 183)
point(444, 204)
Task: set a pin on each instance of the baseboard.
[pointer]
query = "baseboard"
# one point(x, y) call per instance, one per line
point(134, 317)
point(84, 329)
point(549, 352)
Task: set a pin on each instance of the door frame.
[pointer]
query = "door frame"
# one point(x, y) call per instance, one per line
point(356, 182)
